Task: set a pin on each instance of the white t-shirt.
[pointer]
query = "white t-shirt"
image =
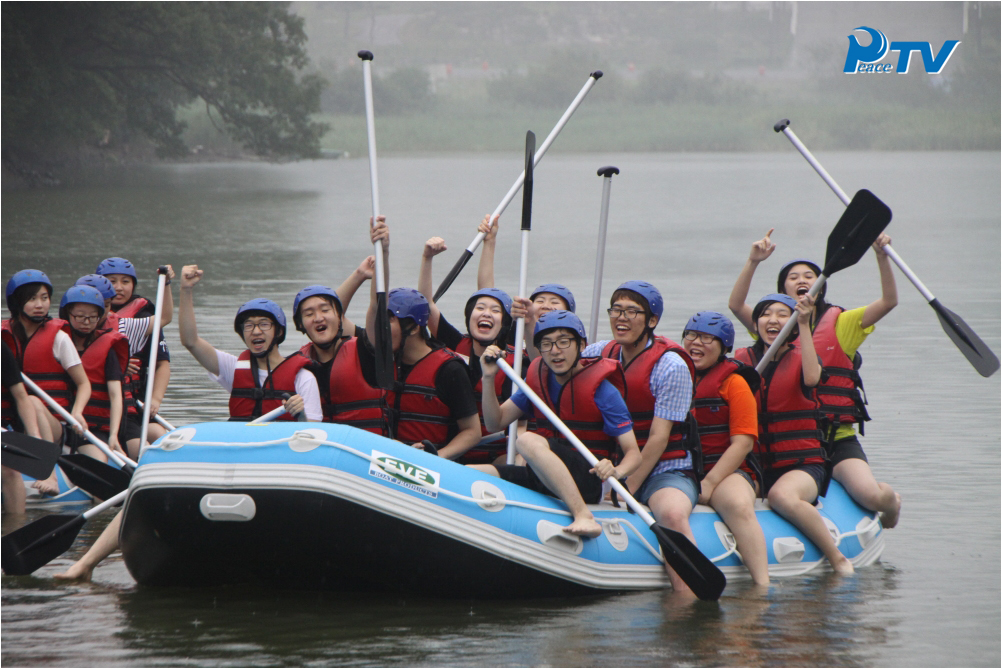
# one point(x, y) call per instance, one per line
point(306, 383)
point(64, 351)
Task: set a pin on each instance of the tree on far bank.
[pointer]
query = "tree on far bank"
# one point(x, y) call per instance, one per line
point(99, 73)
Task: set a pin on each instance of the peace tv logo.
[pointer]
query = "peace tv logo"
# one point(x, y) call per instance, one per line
point(866, 59)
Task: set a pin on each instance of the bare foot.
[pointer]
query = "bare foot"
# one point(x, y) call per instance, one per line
point(843, 566)
point(584, 527)
point(76, 572)
point(49, 486)
point(890, 518)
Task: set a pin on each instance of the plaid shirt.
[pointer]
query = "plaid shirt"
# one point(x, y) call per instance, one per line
point(671, 386)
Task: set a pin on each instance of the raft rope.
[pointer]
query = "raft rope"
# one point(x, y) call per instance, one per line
point(484, 502)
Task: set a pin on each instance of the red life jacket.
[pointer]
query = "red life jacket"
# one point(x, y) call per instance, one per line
point(788, 420)
point(249, 401)
point(713, 415)
point(575, 404)
point(415, 410)
point(486, 453)
point(640, 399)
point(38, 364)
point(840, 389)
point(352, 400)
point(135, 304)
point(94, 357)
point(323, 379)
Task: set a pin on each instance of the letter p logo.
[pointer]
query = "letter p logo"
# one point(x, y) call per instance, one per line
point(870, 53)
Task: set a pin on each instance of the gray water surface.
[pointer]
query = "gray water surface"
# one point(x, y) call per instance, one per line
point(683, 222)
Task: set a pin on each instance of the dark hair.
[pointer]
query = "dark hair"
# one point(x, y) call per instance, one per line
point(24, 293)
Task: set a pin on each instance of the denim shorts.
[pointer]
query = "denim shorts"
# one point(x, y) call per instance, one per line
point(675, 478)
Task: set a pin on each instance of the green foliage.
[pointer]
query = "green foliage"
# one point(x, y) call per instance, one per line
point(78, 73)
point(403, 90)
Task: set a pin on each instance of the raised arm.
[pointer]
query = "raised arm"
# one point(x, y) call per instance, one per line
point(810, 363)
point(485, 270)
point(888, 288)
point(377, 231)
point(760, 250)
point(203, 351)
point(350, 286)
point(432, 248)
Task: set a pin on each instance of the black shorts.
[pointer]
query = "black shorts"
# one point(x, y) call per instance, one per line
point(816, 472)
point(74, 441)
point(846, 449)
point(132, 428)
point(589, 485)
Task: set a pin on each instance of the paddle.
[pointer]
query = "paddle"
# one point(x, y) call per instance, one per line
point(38, 543)
point(158, 418)
point(383, 338)
point(468, 252)
point(698, 572)
point(964, 338)
point(154, 336)
point(124, 462)
point(270, 416)
point(603, 221)
point(98, 478)
point(860, 225)
point(523, 269)
point(29, 455)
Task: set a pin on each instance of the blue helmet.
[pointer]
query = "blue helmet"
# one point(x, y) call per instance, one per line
point(314, 291)
point(553, 320)
point(264, 307)
point(649, 293)
point(556, 289)
point(408, 303)
point(785, 269)
point(100, 282)
point(83, 295)
point(117, 266)
point(23, 278)
point(714, 323)
point(769, 299)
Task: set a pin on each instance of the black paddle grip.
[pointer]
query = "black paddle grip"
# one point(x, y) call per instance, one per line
point(781, 125)
point(597, 74)
point(365, 55)
point(608, 171)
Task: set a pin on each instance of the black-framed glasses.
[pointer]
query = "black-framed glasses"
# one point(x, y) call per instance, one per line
point(616, 312)
point(85, 319)
point(703, 337)
point(563, 344)
point(264, 326)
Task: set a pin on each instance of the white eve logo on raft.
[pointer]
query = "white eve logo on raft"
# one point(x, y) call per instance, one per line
point(405, 474)
point(866, 59)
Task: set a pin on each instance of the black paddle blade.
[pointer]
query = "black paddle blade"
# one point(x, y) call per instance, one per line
point(39, 543)
point(860, 225)
point(99, 479)
point(28, 455)
point(530, 155)
point(969, 343)
point(699, 573)
point(453, 273)
point(384, 345)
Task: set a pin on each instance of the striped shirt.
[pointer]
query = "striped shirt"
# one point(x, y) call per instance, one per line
point(671, 386)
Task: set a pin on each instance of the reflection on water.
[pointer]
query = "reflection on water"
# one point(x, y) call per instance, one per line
point(683, 222)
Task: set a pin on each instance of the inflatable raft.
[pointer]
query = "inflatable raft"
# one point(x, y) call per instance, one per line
point(324, 506)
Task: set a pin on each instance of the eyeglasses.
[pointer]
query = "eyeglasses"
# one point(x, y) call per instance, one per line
point(85, 319)
point(704, 338)
point(264, 326)
point(563, 343)
point(616, 312)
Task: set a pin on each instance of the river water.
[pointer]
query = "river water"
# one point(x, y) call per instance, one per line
point(683, 222)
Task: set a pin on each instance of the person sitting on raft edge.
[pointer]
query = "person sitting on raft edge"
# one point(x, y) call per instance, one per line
point(579, 390)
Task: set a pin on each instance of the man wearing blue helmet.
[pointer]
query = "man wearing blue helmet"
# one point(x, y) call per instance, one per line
point(261, 376)
point(585, 394)
point(659, 382)
point(431, 403)
point(838, 334)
